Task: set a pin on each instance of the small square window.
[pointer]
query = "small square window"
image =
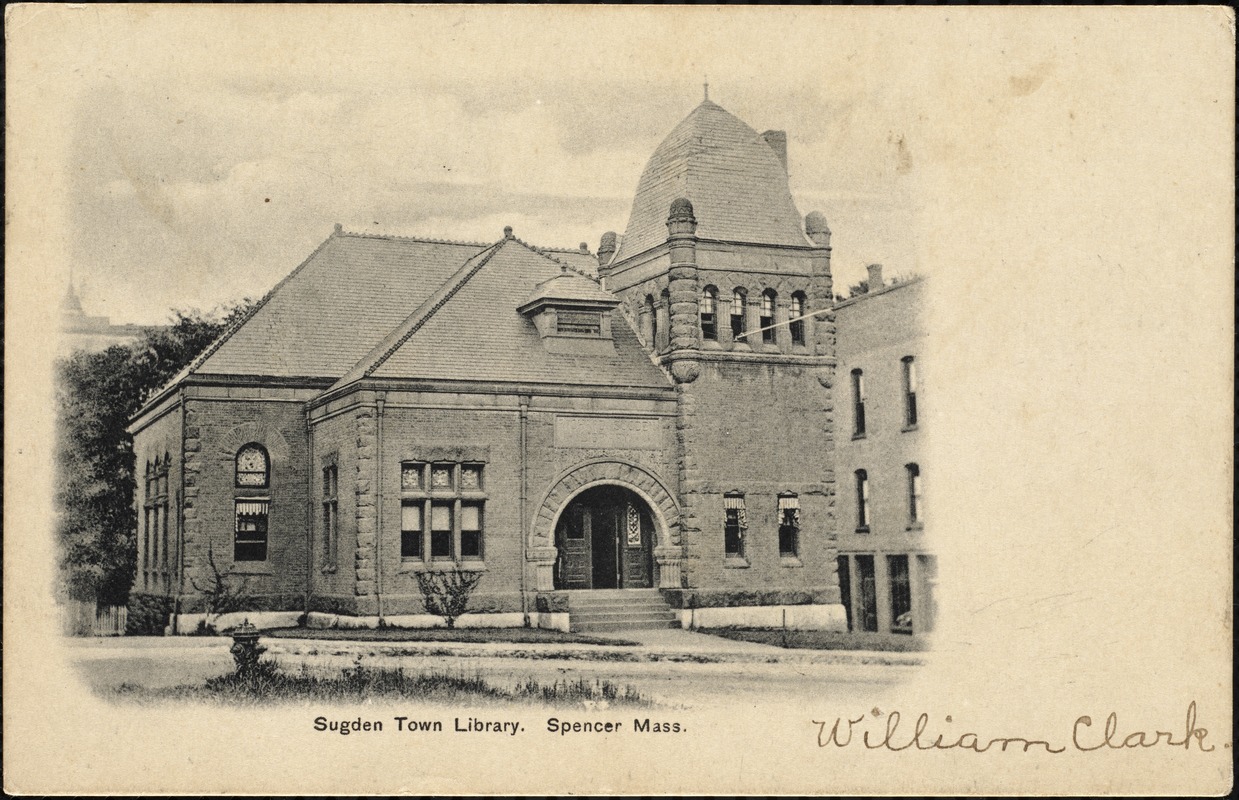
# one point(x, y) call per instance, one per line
point(471, 477)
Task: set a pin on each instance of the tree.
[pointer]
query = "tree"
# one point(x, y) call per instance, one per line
point(96, 394)
point(857, 289)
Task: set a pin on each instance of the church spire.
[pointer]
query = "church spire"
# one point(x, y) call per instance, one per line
point(706, 86)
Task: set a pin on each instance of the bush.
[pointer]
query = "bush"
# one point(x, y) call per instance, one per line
point(148, 614)
point(447, 593)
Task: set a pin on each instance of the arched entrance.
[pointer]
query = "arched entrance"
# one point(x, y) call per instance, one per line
point(605, 540)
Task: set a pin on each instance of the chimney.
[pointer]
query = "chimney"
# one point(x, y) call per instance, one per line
point(778, 143)
point(875, 277)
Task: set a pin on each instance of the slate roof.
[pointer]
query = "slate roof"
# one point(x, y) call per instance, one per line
point(735, 181)
point(569, 285)
point(332, 309)
point(474, 332)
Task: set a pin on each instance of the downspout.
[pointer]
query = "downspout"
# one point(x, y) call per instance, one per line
point(380, 399)
point(524, 400)
point(309, 515)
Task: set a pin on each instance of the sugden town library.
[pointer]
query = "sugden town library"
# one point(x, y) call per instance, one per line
point(685, 426)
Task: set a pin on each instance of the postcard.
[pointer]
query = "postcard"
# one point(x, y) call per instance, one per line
point(627, 400)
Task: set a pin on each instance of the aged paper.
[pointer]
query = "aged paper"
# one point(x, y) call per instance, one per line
point(1064, 177)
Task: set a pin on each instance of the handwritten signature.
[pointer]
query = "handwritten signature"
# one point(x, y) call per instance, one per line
point(1085, 736)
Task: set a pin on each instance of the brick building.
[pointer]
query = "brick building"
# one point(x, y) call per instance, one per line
point(886, 569)
point(642, 435)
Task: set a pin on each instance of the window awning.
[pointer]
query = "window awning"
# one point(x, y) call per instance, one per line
point(252, 508)
point(733, 502)
point(789, 502)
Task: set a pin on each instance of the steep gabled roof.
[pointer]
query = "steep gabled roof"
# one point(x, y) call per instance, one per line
point(736, 182)
point(335, 306)
point(471, 330)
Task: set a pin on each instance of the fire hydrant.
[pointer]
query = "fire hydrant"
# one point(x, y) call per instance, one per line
point(245, 647)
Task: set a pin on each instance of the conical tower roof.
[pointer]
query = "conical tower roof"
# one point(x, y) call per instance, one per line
point(736, 182)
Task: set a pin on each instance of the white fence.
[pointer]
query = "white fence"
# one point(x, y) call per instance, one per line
point(84, 619)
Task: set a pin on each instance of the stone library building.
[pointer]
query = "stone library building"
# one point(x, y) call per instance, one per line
point(682, 428)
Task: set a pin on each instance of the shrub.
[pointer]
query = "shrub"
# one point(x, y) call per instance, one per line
point(447, 594)
point(221, 594)
point(148, 614)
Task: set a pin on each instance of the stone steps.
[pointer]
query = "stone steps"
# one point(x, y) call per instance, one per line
point(619, 610)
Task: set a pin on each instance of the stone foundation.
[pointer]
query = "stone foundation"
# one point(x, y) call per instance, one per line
point(798, 618)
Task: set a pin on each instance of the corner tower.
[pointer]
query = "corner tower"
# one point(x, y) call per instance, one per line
point(732, 292)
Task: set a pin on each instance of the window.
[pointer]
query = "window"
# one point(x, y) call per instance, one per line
point(901, 594)
point(250, 543)
point(927, 565)
point(789, 525)
point(652, 310)
point(915, 511)
point(766, 323)
point(709, 303)
point(858, 403)
point(867, 603)
point(797, 325)
point(909, 392)
point(738, 301)
point(845, 588)
point(442, 512)
point(330, 514)
point(440, 530)
point(154, 545)
point(581, 323)
point(252, 467)
point(734, 525)
point(471, 530)
point(862, 501)
point(411, 529)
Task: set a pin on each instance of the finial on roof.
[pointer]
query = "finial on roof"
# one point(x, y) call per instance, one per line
point(681, 208)
point(584, 247)
point(507, 231)
point(339, 229)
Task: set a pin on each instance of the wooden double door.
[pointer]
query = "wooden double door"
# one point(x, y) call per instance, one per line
point(605, 541)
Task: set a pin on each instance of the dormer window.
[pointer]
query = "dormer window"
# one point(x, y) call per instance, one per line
point(582, 323)
point(572, 314)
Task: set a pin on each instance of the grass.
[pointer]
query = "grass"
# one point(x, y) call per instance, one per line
point(502, 635)
point(268, 683)
point(825, 640)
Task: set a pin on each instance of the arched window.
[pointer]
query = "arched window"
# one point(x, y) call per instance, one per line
point(738, 301)
point(858, 403)
point(766, 323)
point(709, 324)
point(862, 501)
point(252, 467)
point(909, 392)
point(664, 307)
point(652, 310)
point(796, 325)
point(253, 474)
point(915, 510)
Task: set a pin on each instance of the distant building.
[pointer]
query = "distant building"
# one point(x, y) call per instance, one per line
point(645, 436)
point(887, 571)
point(81, 332)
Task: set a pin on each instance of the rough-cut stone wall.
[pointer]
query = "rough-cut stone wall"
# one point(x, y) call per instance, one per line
point(214, 431)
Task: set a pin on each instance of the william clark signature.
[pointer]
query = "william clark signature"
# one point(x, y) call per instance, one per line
point(1084, 735)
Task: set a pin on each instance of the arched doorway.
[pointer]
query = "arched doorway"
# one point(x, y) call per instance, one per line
point(605, 541)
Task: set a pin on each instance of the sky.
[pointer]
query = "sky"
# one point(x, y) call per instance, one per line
point(207, 169)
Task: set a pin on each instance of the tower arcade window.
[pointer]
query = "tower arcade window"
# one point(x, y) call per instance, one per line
point(734, 524)
point(766, 323)
point(858, 403)
point(652, 310)
point(709, 323)
point(738, 301)
point(796, 326)
point(909, 392)
point(862, 501)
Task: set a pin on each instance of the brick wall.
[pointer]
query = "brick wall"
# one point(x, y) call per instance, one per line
point(157, 569)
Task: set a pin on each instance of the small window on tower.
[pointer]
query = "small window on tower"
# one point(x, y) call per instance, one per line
point(709, 324)
point(796, 325)
point(738, 300)
point(767, 316)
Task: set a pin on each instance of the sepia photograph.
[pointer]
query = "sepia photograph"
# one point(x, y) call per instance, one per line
point(644, 400)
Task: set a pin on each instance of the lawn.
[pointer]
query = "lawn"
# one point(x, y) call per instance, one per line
point(502, 635)
point(826, 640)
